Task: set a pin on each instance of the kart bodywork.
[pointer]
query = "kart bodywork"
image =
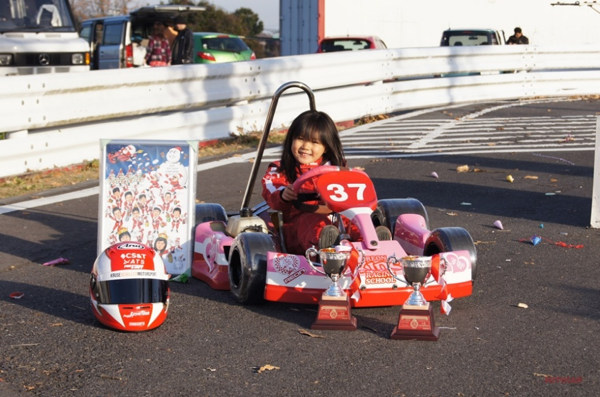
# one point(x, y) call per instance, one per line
point(245, 253)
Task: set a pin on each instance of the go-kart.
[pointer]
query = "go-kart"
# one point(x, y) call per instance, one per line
point(245, 252)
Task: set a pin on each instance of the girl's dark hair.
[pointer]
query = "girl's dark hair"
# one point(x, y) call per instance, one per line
point(312, 125)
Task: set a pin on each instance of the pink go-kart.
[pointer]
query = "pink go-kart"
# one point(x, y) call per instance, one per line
point(245, 253)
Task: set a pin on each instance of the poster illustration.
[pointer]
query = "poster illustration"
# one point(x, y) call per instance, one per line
point(147, 194)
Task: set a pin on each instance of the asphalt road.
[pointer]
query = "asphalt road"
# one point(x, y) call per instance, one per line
point(51, 344)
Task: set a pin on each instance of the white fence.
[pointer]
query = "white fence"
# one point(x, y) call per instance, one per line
point(58, 120)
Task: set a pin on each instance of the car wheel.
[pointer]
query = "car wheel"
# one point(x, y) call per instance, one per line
point(210, 212)
point(248, 266)
point(388, 211)
point(448, 239)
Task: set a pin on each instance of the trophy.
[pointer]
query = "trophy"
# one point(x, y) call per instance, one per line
point(334, 306)
point(416, 316)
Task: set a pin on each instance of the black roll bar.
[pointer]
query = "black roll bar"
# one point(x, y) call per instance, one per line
point(245, 211)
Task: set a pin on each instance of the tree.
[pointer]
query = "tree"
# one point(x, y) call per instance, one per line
point(250, 21)
point(86, 9)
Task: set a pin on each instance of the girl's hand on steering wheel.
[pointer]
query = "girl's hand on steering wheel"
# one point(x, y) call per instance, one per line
point(288, 194)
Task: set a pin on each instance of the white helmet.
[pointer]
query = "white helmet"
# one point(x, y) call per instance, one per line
point(129, 287)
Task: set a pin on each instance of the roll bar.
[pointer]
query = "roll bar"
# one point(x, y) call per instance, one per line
point(245, 211)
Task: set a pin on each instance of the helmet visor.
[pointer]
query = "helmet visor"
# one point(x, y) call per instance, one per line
point(132, 291)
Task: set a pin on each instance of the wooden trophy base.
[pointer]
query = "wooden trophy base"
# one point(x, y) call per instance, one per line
point(334, 314)
point(416, 322)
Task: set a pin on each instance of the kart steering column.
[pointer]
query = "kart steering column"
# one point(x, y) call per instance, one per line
point(245, 211)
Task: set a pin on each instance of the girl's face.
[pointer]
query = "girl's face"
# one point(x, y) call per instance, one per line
point(307, 151)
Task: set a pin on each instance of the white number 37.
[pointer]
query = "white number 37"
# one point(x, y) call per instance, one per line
point(339, 191)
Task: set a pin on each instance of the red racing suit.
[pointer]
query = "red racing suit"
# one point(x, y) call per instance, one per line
point(301, 229)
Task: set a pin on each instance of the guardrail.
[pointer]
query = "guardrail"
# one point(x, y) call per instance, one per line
point(59, 119)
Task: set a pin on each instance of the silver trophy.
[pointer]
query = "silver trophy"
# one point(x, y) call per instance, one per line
point(417, 270)
point(333, 263)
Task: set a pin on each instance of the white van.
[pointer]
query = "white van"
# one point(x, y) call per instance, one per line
point(39, 36)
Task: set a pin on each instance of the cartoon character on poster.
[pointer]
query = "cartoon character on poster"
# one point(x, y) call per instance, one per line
point(146, 190)
point(173, 172)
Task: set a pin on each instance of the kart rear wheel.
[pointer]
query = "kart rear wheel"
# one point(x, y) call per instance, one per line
point(446, 239)
point(207, 212)
point(248, 266)
point(388, 211)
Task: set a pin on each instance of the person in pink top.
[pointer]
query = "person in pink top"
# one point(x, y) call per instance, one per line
point(159, 50)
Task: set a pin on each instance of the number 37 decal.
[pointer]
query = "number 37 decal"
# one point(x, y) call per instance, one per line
point(339, 191)
point(347, 189)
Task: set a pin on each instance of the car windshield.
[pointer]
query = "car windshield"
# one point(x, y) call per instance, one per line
point(344, 45)
point(229, 44)
point(460, 38)
point(35, 16)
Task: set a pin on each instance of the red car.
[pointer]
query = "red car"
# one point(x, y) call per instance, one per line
point(351, 43)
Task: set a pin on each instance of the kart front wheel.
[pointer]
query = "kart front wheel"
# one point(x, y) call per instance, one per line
point(248, 266)
point(388, 211)
point(447, 239)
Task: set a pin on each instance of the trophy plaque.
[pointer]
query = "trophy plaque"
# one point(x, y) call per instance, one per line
point(334, 306)
point(416, 319)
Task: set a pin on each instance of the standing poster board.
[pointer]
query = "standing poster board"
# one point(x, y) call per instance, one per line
point(147, 194)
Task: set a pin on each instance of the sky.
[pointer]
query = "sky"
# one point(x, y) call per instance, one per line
point(267, 10)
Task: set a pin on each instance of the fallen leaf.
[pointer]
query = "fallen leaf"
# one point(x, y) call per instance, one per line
point(305, 332)
point(462, 168)
point(451, 214)
point(267, 367)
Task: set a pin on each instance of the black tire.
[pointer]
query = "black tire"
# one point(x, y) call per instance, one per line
point(248, 266)
point(448, 239)
point(389, 210)
point(207, 212)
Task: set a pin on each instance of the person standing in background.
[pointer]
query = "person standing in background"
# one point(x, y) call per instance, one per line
point(159, 51)
point(517, 38)
point(183, 46)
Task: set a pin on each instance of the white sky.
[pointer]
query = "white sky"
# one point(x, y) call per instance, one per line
point(267, 10)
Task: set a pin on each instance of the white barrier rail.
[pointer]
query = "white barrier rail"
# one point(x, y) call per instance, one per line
point(58, 120)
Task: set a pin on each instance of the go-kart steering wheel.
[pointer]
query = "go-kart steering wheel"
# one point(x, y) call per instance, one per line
point(323, 169)
point(299, 204)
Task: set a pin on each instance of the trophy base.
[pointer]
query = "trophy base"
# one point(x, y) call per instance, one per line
point(416, 323)
point(334, 314)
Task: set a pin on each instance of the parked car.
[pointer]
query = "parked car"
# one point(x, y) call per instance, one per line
point(461, 37)
point(351, 43)
point(212, 47)
point(114, 40)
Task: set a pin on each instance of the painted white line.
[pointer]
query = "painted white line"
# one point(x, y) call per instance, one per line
point(24, 205)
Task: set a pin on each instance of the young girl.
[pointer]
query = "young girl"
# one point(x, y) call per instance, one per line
point(311, 141)
point(159, 50)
